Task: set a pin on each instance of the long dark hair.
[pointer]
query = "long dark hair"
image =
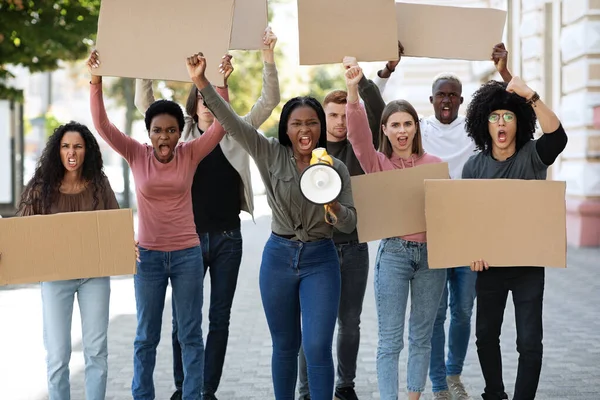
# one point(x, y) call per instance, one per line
point(191, 104)
point(492, 96)
point(41, 191)
point(385, 146)
point(291, 105)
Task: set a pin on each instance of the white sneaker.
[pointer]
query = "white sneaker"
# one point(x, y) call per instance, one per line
point(456, 388)
point(443, 395)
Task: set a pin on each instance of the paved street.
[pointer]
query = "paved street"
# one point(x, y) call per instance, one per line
point(571, 345)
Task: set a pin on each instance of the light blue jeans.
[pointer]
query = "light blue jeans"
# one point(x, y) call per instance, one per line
point(402, 265)
point(460, 287)
point(93, 296)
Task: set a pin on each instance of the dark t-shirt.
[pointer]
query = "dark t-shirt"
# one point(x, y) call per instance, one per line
point(524, 164)
point(216, 194)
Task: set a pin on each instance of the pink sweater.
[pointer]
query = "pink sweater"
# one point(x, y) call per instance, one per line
point(166, 219)
point(371, 160)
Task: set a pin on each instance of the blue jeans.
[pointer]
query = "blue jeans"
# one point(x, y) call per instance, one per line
point(461, 288)
point(402, 265)
point(301, 281)
point(222, 256)
point(354, 268)
point(93, 296)
point(184, 269)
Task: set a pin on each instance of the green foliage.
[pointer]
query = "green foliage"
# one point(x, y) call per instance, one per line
point(324, 79)
point(50, 123)
point(36, 34)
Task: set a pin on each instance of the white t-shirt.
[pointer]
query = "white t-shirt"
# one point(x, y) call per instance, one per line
point(449, 142)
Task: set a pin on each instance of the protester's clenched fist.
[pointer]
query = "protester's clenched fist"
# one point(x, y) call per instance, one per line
point(269, 38)
point(226, 68)
point(349, 62)
point(196, 65)
point(519, 87)
point(353, 75)
point(93, 61)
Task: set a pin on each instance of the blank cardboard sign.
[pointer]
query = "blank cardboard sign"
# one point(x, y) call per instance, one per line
point(75, 245)
point(424, 31)
point(250, 19)
point(506, 222)
point(392, 203)
point(332, 29)
point(152, 38)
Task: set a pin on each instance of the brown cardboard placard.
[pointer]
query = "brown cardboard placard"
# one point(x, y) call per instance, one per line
point(64, 246)
point(152, 38)
point(423, 31)
point(250, 19)
point(329, 30)
point(506, 222)
point(392, 203)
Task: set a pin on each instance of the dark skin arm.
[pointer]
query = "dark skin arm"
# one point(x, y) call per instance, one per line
point(391, 65)
point(500, 59)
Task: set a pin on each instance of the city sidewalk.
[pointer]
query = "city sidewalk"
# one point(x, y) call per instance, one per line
point(571, 344)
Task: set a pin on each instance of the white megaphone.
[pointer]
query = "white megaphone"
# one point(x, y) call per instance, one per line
point(320, 183)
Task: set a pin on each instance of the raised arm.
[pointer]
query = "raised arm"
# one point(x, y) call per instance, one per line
point(127, 147)
point(554, 140)
point(255, 144)
point(374, 106)
point(357, 125)
point(500, 59)
point(344, 206)
point(269, 96)
point(384, 74)
point(372, 99)
point(144, 95)
point(203, 145)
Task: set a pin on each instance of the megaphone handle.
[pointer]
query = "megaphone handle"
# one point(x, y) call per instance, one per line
point(330, 216)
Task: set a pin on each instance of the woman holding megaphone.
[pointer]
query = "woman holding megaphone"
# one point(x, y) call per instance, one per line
point(401, 262)
point(299, 274)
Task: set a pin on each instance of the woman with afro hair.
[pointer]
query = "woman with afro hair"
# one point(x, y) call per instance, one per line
point(69, 178)
point(501, 119)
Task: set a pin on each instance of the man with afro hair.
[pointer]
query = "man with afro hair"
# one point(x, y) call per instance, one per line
point(501, 120)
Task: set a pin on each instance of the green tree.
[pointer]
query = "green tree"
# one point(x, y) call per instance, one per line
point(324, 79)
point(37, 34)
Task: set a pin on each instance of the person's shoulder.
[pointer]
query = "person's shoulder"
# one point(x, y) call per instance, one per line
point(477, 159)
point(431, 159)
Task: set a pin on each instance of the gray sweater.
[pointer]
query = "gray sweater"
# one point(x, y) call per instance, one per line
point(292, 213)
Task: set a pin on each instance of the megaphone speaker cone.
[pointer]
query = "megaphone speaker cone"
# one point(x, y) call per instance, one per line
point(320, 184)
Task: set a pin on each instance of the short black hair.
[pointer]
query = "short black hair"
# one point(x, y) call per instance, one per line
point(492, 96)
point(164, 107)
point(291, 105)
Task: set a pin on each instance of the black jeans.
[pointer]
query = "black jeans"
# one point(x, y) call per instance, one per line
point(354, 268)
point(222, 256)
point(527, 286)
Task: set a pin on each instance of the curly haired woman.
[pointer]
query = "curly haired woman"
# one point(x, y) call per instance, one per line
point(69, 178)
point(501, 119)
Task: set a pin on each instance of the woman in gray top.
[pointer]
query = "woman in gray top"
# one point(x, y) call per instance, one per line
point(299, 275)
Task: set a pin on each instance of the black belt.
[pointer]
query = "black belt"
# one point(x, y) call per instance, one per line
point(288, 237)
